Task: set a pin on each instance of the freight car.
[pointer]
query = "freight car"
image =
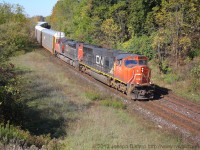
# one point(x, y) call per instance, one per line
point(38, 30)
point(47, 37)
point(126, 72)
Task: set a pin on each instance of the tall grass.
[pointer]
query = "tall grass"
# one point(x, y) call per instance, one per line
point(94, 96)
point(113, 103)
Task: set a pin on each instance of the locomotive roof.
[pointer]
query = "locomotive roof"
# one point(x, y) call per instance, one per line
point(124, 55)
point(118, 54)
point(99, 49)
point(91, 46)
point(70, 42)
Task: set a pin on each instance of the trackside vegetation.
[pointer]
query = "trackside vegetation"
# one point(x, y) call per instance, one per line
point(16, 37)
point(104, 100)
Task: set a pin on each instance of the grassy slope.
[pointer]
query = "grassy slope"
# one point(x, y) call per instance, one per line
point(57, 105)
point(181, 84)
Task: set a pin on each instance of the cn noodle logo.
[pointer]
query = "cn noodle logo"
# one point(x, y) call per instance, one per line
point(99, 60)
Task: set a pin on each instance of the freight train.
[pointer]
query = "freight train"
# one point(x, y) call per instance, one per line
point(126, 72)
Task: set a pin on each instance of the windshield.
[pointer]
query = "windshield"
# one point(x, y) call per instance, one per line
point(142, 62)
point(131, 63)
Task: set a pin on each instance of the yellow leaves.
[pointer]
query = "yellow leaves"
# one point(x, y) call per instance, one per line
point(111, 31)
point(110, 28)
point(2, 43)
point(126, 44)
point(159, 39)
point(185, 42)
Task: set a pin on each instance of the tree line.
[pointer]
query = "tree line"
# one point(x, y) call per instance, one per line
point(15, 36)
point(164, 30)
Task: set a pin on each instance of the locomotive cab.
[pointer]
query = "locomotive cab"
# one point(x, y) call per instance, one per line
point(60, 45)
point(133, 70)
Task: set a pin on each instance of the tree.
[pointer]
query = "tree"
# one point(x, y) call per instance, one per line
point(176, 29)
point(15, 28)
point(111, 31)
point(138, 11)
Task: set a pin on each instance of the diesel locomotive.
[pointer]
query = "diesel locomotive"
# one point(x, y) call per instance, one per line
point(126, 72)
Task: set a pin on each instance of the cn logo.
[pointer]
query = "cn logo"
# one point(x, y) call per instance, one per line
point(99, 60)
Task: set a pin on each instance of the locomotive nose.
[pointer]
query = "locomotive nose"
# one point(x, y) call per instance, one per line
point(142, 75)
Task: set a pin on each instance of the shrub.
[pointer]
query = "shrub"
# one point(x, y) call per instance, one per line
point(113, 103)
point(14, 135)
point(94, 96)
point(11, 107)
point(170, 78)
point(11, 133)
point(140, 45)
point(195, 74)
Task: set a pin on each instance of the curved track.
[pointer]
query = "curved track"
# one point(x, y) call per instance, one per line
point(169, 111)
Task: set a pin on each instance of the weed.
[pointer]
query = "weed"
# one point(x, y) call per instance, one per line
point(113, 103)
point(94, 96)
point(12, 134)
point(170, 78)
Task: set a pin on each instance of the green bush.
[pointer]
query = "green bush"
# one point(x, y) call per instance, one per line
point(94, 96)
point(11, 107)
point(15, 28)
point(12, 134)
point(113, 103)
point(195, 75)
point(140, 45)
point(170, 78)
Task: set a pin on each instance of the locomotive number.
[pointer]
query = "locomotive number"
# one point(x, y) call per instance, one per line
point(99, 60)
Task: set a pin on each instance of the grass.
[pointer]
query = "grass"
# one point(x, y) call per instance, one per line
point(113, 103)
point(104, 100)
point(94, 96)
point(104, 128)
point(66, 108)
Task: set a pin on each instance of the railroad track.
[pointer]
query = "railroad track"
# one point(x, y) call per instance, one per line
point(179, 101)
point(179, 119)
point(173, 112)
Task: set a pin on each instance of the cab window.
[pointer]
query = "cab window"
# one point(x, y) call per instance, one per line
point(119, 62)
point(130, 63)
point(142, 62)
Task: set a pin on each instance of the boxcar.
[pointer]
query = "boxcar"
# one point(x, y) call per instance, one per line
point(38, 33)
point(49, 38)
point(38, 30)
